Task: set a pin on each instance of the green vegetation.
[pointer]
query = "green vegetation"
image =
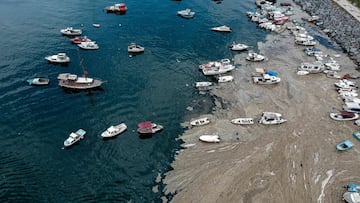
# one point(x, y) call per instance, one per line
point(355, 2)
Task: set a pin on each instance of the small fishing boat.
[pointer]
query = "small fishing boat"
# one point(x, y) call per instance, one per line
point(217, 67)
point(72, 81)
point(352, 187)
point(187, 13)
point(74, 137)
point(38, 81)
point(345, 145)
point(243, 121)
point(271, 118)
point(96, 25)
point(223, 28)
point(266, 79)
point(147, 127)
point(117, 8)
point(357, 135)
point(314, 67)
point(302, 72)
point(69, 31)
point(345, 83)
point(344, 116)
point(252, 56)
point(58, 58)
point(91, 45)
point(78, 40)
point(203, 86)
point(304, 41)
point(238, 47)
point(351, 197)
point(227, 78)
point(134, 48)
point(200, 121)
point(210, 138)
point(114, 130)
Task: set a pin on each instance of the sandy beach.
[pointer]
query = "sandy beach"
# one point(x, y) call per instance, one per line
point(293, 162)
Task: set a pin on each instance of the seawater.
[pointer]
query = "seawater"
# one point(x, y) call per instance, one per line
point(156, 86)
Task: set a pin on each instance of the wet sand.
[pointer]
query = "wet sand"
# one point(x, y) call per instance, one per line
point(293, 162)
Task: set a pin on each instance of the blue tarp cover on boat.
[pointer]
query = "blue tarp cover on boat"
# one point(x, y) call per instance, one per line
point(272, 73)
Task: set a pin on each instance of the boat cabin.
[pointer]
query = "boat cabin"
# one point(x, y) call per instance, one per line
point(352, 107)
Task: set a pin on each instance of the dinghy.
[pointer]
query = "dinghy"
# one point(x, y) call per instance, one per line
point(200, 121)
point(344, 116)
point(243, 121)
point(210, 138)
point(345, 145)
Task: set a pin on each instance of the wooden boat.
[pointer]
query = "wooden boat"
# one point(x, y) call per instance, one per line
point(38, 81)
point(210, 138)
point(114, 130)
point(271, 118)
point(200, 121)
point(72, 81)
point(74, 137)
point(223, 28)
point(357, 135)
point(345, 145)
point(344, 116)
point(134, 48)
point(148, 127)
point(69, 31)
point(243, 121)
point(227, 78)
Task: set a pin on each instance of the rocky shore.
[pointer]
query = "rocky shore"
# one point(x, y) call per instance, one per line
point(342, 27)
point(293, 162)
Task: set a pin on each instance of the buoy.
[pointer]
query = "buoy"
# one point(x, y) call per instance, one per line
point(119, 24)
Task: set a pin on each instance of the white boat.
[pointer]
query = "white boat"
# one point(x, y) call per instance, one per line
point(302, 72)
point(72, 81)
point(200, 121)
point(238, 47)
point(352, 107)
point(315, 67)
point(227, 78)
point(304, 41)
point(74, 137)
point(203, 84)
point(304, 36)
point(210, 138)
point(97, 25)
point(38, 81)
point(344, 116)
point(114, 130)
point(187, 13)
point(345, 83)
point(216, 68)
point(69, 31)
point(332, 74)
point(243, 121)
point(266, 79)
point(332, 65)
point(58, 58)
point(91, 45)
point(270, 118)
point(348, 95)
point(252, 56)
point(134, 48)
point(351, 197)
point(223, 28)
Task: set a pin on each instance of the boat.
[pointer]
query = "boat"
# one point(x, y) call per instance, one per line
point(344, 116)
point(302, 72)
point(147, 127)
point(344, 83)
point(187, 13)
point(227, 78)
point(117, 8)
point(312, 51)
point(204, 86)
point(332, 65)
point(38, 81)
point(269, 118)
point(238, 47)
point(223, 28)
point(314, 67)
point(69, 31)
point(345, 145)
point(266, 79)
point(58, 58)
point(304, 42)
point(332, 74)
point(210, 138)
point(114, 130)
point(97, 25)
point(72, 81)
point(351, 197)
point(252, 56)
point(78, 40)
point(352, 187)
point(200, 121)
point(91, 45)
point(74, 137)
point(304, 36)
point(217, 67)
point(243, 121)
point(352, 107)
point(357, 133)
point(134, 48)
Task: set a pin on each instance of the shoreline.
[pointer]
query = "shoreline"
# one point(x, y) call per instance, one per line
point(291, 162)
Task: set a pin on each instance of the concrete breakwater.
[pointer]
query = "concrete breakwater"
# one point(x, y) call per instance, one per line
point(341, 26)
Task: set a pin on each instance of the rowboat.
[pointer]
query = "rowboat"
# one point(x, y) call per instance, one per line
point(210, 138)
point(345, 145)
point(200, 121)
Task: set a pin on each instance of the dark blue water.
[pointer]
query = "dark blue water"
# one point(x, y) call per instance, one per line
point(153, 86)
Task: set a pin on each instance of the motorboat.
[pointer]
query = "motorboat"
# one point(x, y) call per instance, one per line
point(332, 65)
point(78, 40)
point(200, 121)
point(147, 127)
point(74, 137)
point(210, 138)
point(96, 25)
point(266, 79)
point(352, 107)
point(114, 130)
point(312, 51)
point(134, 48)
point(269, 118)
point(345, 145)
point(223, 28)
point(304, 41)
point(243, 121)
point(357, 133)
point(344, 116)
point(302, 72)
point(38, 81)
point(351, 197)
point(187, 13)
point(91, 45)
point(58, 58)
point(217, 67)
point(344, 83)
point(238, 47)
point(314, 67)
point(72, 81)
point(304, 36)
point(117, 8)
point(70, 31)
point(255, 57)
point(226, 78)
point(332, 74)
point(203, 86)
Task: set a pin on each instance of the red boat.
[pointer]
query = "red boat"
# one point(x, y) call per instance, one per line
point(78, 40)
point(117, 8)
point(148, 127)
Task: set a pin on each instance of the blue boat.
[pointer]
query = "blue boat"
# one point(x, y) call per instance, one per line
point(351, 187)
point(345, 145)
point(357, 135)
